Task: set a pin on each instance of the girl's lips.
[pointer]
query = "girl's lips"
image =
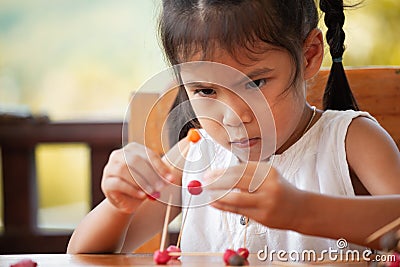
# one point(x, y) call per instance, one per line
point(246, 143)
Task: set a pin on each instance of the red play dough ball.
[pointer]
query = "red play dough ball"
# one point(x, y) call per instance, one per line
point(173, 249)
point(244, 252)
point(228, 253)
point(194, 187)
point(396, 261)
point(24, 263)
point(161, 257)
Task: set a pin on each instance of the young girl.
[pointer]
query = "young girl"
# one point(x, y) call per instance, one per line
point(322, 160)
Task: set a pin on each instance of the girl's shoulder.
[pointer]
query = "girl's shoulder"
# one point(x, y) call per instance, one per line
point(327, 135)
point(334, 121)
point(330, 116)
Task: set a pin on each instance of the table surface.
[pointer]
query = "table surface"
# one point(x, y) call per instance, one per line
point(132, 260)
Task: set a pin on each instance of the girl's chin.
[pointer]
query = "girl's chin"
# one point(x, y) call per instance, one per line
point(250, 156)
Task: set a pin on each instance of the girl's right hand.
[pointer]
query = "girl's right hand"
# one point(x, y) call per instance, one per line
point(131, 173)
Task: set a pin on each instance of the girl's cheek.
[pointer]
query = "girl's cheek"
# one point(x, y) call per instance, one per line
point(216, 131)
point(208, 109)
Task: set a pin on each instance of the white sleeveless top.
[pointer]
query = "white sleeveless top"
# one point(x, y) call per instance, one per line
point(316, 162)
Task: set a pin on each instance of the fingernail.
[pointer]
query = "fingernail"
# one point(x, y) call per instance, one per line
point(141, 194)
point(154, 196)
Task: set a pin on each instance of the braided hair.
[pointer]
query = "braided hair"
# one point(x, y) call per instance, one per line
point(337, 95)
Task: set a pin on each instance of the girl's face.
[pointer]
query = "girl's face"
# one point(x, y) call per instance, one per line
point(237, 113)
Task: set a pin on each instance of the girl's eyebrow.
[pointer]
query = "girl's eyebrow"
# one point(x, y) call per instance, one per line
point(257, 72)
point(253, 74)
point(198, 84)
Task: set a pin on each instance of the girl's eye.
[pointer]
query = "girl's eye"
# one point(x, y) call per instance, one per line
point(204, 92)
point(256, 83)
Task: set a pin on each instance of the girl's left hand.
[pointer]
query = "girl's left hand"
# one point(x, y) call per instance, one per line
point(274, 202)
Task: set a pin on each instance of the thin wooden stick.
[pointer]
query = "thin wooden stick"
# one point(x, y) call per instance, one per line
point(245, 232)
point(180, 162)
point(227, 228)
point(183, 222)
point(166, 221)
point(381, 231)
point(195, 253)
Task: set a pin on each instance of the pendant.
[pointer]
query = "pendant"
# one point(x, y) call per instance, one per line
point(244, 220)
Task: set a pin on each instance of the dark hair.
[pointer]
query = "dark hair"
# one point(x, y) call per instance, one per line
point(337, 93)
point(187, 27)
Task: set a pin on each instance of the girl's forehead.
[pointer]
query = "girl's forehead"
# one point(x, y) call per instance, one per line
point(216, 52)
point(244, 59)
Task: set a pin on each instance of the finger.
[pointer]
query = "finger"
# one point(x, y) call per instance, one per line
point(224, 178)
point(122, 202)
point(159, 165)
point(147, 177)
point(123, 171)
point(135, 149)
point(247, 177)
point(143, 173)
point(237, 199)
point(146, 167)
point(176, 156)
point(142, 178)
point(116, 184)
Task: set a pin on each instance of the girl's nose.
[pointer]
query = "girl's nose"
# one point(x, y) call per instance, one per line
point(236, 113)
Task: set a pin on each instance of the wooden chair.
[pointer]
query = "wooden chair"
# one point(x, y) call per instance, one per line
point(19, 136)
point(377, 91)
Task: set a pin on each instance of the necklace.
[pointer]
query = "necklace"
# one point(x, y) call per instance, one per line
point(312, 118)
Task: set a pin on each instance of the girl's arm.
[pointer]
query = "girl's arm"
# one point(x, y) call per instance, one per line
point(108, 230)
point(373, 156)
point(278, 204)
point(351, 218)
point(375, 159)
point(126, 219)
point(102, 230)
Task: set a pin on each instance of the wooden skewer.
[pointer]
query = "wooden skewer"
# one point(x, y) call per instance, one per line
point(166, 221)
point(182, 159)
point(193, 137)
point(381, 231)
point(195, 254)
point(245, 232)
point(227, 228)
point(183, 222)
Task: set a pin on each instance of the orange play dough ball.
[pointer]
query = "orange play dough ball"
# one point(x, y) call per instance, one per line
point(193, 135)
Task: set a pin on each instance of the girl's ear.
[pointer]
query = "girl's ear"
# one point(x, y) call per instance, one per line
point(313, 50)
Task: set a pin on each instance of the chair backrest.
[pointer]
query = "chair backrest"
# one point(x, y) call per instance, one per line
point(377, 91)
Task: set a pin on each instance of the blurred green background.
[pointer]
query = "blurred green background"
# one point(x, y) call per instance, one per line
point(80, 59)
